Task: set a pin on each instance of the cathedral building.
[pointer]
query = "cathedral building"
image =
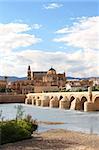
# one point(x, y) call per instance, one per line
point(40, 81)
point(49, 77)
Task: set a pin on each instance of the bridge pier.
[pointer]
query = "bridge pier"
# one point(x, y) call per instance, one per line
point(45, 101)
point(33, 100)
point(26, 101)
point(64, 103)
point(54, 102)
point(75, 104)
point(88, 106)
point(38, 102)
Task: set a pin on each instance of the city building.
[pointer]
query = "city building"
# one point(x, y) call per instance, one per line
point(78, 85)
point(40, 81)
point(3, 84)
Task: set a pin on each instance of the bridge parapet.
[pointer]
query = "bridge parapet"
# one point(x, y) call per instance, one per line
point(87, 101)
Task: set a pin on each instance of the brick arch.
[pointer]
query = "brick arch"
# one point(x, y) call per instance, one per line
point(29, 101)
point(84, 95)
point(71, 98)
point(34, 100)
point(51, 97)
point(96, 103)
point(60, 97)
point(95, 97)
point(83, 99)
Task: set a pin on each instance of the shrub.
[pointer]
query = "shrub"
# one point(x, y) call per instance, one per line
point(18, 129)
point(31, 122)
point(27, 125)
point(15, 130)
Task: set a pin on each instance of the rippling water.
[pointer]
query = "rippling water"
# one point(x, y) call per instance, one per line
point(73, 120)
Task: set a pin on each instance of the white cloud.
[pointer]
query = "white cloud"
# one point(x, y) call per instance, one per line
point(62, 31)
point(82, 34)
point(13, 27)
point(14, 35)
point(53, 6)
point(82, 63)
point(78, 64)
point(36, 26)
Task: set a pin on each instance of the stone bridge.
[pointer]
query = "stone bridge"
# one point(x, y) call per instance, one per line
point(84, 101)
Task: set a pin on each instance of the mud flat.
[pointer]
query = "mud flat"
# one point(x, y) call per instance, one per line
point(57, 140)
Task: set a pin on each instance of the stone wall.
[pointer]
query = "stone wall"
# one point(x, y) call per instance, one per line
point(8, 98)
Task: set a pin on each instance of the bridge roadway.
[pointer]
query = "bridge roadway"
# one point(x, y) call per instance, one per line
point(84, 101)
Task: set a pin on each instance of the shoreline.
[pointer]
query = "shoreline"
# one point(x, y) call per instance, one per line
point(59, 139)
point(50, 122)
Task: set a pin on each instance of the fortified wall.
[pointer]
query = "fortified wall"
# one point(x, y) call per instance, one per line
point(83, 101)
point(9, 98)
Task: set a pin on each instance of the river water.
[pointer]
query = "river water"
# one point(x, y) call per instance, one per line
point(73, 120)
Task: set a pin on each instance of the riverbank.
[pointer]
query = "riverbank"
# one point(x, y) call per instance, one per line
point(57, 139)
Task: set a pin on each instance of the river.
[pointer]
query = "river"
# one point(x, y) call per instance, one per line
point(87, 122)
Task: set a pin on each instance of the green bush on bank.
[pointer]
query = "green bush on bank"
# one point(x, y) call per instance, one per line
point(13, 130)
point(17, 129)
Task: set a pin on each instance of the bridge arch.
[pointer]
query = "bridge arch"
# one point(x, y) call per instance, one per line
point(60, 97)
point(95, 97)
point(51, 97)
point(29, 101)
point(71, 98)
point(96, 102)
point(83, 100)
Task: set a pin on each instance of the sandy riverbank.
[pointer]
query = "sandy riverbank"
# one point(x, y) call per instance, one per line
point(57, 140)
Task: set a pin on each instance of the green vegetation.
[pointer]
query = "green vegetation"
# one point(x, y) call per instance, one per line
point(17, 129)
point(95, 88)
point(4, 90)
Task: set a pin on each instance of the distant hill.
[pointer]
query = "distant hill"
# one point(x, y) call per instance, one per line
point(12, 78)
point(73, 78)
point(87, 78)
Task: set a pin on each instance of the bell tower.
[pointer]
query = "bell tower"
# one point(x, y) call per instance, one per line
point(29, 73)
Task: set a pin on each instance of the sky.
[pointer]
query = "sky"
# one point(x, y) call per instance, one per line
point(44, 33)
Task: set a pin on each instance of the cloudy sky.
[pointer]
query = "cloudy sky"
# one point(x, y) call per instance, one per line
point(44, 33)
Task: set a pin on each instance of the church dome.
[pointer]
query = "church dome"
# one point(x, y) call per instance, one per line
point(51, 71)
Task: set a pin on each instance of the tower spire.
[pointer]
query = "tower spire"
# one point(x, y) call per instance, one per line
point(29, 73)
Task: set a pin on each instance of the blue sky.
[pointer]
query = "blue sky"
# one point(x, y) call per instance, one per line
point(62, 34)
